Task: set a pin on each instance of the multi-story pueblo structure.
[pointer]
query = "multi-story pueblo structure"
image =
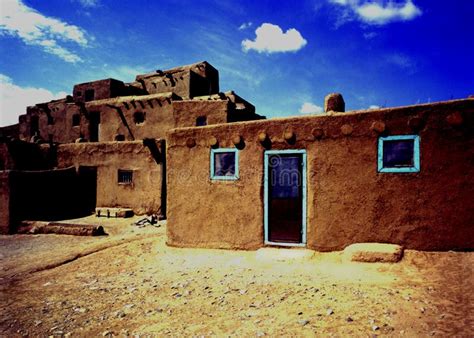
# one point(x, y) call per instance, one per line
point(172, 144)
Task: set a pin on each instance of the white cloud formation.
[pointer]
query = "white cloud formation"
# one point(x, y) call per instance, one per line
point(14, 99)
point(271, 39)
point(88, 3)
point(374, 106)
point(380, 12)
point(33, 28)
point(245, 25)
point(311, 108)
point(124, 73)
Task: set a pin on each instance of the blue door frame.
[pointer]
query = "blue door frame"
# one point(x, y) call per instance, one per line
point(267, 155)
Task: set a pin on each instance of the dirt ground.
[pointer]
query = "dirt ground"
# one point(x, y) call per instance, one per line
point(131, 283)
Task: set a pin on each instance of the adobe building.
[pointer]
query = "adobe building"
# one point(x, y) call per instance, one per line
point(104, 145)
point(397, 175)
point(170, 143)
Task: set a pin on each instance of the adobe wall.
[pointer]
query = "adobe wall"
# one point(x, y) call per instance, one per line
point(146, 162)
point(186, 81)
point(55, 122)
point(4, 202)
point(11, 131)
point(348, 200)
point(102, 89)
point(19, 155)
point(117, 117)
point(186, 112)
point(178, 82)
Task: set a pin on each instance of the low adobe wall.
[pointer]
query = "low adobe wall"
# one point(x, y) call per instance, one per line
point(348, 200)
point(144, 194)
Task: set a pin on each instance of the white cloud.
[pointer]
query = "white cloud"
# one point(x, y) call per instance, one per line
point(124, 73)
point(271, 39)
point(381, 12)
point(376, 13)
point(88, 3)
point(33, 28)
point(402, 61)
point(311, 108)
point(14, 99)
point(374, 106)
point(245, 25)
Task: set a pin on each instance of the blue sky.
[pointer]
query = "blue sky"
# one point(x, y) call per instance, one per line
point(283, 56)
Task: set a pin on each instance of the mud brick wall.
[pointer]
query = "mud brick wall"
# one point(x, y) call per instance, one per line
point(348, 200)
point(118, 117)
point(144, 194)
point(186, 112)
point(102, 89)
point(186, 82)
point(19, 155)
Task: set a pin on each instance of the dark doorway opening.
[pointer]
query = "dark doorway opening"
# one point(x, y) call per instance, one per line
point(285, 198)
point(87, 196)
point(94, 122)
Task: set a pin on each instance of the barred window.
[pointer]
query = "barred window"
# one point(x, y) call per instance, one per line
point(125, 176)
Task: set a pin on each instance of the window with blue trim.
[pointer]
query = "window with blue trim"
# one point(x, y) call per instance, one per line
point(224, 164)
point(399, 154)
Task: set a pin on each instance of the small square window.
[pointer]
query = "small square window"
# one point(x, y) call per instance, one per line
point(125, 176)
point(138, 117)
point(399, 154)
point(89, 95)
point(201, 121)
point(224, 164)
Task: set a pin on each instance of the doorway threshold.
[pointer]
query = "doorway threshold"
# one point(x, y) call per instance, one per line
point(284, 254)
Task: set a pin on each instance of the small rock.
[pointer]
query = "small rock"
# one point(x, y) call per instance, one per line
point(422, 310)
point(243, 291)
point(38, 322)
point(303, 322)
point(329, 312)
point(349, 319)
point(106, 333)
point(120, 314)
point(260, 334)
point(375, 328)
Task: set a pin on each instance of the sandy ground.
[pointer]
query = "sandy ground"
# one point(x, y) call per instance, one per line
point(130, 283)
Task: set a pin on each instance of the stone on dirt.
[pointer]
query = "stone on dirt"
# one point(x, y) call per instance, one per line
point(373, 252)
point(303, 322)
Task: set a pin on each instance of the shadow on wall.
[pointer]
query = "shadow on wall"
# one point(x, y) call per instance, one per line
point(52, 194)
point(158, 152)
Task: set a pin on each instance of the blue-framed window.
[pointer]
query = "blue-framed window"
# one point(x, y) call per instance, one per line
point(225, 164)
point(399, 154)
